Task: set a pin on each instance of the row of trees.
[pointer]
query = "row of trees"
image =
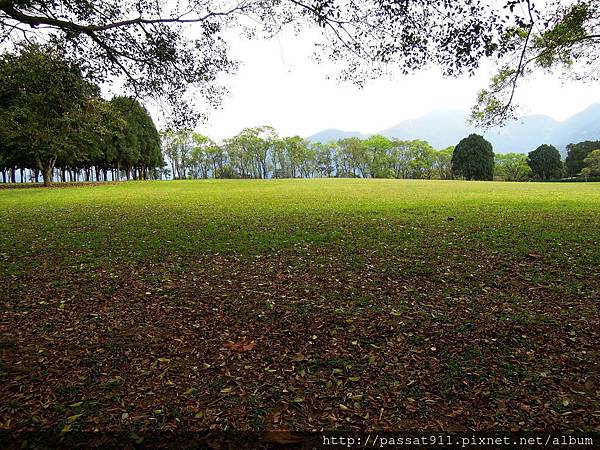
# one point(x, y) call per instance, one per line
point(474, 159)
point(260, 153)
point(54, 123)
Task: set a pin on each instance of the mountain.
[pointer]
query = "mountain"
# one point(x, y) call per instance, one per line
point(583, 126)
point(333, 135)
point(438, 128)
point(523, 135)
point(447, 127)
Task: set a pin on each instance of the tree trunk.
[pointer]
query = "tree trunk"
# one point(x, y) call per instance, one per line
point(47, 170)
point(47, 174)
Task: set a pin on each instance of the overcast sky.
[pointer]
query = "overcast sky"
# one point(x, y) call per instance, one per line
point(279, 84)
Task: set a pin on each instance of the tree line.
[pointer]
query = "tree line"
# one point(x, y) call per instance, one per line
point(55, 126)
point(261, 153)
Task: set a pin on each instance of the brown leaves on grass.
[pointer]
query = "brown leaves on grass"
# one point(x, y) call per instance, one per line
point(340, 348)
point(242, 346)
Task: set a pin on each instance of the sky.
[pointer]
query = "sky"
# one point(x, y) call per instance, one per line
point(279, 84)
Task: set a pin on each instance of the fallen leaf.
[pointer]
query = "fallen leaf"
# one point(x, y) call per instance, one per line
point(242, 346)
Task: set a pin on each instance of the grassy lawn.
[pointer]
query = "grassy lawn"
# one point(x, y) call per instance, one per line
point(301, 304)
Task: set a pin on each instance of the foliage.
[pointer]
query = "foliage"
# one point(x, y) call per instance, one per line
point(576, 154)
point(50, 116)
point(137, 148)
point(473, 159)
point(443, 163)
point(47, 110)
point(177, 148)
point(545, 162)
point(378, 147)
point(150, 45)
point(592, 164)
point(512, 167)
point(560, 36)
point(261, 153)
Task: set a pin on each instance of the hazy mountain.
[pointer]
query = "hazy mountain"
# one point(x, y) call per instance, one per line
point(523, 135)
point(333, 135)
point(440, 128)
point(447, 127)
point(583, 126)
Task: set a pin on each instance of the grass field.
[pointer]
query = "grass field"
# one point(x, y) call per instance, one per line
point(301, 304)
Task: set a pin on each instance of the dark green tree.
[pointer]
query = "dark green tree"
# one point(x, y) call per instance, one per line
point(48, 111)
point(576, 154)
point(592, 164)
point(545, 162)
point(473, 159)
point(136, 149)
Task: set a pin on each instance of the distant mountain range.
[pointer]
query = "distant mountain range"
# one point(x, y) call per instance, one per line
point(447, 127)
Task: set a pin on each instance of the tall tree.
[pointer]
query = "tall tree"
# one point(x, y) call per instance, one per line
point(177, 148)
point(512, 167)
point(47, 110)
point(401, 157)
point(442, 163)
point(378, 157)
point(576, 154)
point(592, 164)
point(422, 159)
point(324, 158)
point(545, 162)
point(473, 158)
point(137, 148)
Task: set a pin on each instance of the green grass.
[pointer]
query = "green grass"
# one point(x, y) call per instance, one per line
point(443, 298)
point(151, 220)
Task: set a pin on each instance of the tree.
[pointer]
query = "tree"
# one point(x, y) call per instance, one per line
point(203, 158)
point(422, 159)
point(300, 156)
point(545, 162)
point(324, 158)
point(48, 111)
point(137, 147)
point(148, 44)
point(401, 156)
point(473, 158)
point(512, 167)
point(378, 148)
point(351, 157)
point(592, 165)
point(563, 36)
point(442, 163)
point(177, 148)
point(576, 154)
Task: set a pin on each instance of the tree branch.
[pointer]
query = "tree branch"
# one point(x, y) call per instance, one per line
point(35, 21)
